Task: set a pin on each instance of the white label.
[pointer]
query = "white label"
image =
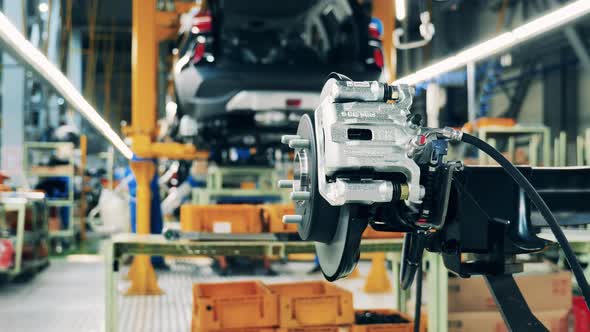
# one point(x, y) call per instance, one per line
point(362, 84)
point(222, 227)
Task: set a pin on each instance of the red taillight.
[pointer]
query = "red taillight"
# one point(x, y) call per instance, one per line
point(293, 102)
point(199, 52)
point(202, 22)
point(378, 57)
point(374, 31)
point(6, 253)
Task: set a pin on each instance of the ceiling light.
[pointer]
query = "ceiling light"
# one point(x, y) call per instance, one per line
point(555, 19)
point(19, 47)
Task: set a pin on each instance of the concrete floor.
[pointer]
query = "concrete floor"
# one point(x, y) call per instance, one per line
point(69, 296)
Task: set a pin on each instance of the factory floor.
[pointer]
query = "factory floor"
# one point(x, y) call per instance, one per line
point(69, 296)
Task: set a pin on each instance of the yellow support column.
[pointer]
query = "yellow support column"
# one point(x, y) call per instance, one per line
point(143, 121)
point(384, 10)
point(356, 273)
point(378, 279)
point(142, 274)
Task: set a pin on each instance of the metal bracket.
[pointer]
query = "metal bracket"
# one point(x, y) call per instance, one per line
point(515, 311)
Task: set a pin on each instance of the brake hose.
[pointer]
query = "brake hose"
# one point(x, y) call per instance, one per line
point(536, 199)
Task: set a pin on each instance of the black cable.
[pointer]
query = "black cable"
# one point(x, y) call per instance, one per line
point(418, 304)
point(536, 199)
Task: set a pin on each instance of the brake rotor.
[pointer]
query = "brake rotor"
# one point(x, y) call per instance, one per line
point(336, 230)
point(317, 218)
point(339, 257)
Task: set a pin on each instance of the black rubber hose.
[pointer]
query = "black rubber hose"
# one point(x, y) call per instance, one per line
point(536, 199)
point(418, 304)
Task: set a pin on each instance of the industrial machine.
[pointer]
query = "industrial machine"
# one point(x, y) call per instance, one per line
point(365, 158)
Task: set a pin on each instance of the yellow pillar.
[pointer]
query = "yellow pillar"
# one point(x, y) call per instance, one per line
point(356, 273)
point(385, 11)
point(378, 279)
point(143, 121)
point(141, 274)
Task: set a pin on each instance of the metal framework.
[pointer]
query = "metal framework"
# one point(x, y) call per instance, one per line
point(130, 244)
point(19, 203)
point(68, 172)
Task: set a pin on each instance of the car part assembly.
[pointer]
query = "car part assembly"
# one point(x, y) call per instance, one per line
point(365, 158)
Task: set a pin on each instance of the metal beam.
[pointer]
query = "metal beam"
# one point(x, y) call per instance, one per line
point(575, 41)
point(578, 47)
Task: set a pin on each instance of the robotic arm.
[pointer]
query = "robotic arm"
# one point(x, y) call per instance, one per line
point(364, 158)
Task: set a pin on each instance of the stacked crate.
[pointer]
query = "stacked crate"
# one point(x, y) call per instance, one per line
point(272, 217)
point(235, 306)
point(226, 218)
point(236, 218)
point(314, 306)
point(383, 320)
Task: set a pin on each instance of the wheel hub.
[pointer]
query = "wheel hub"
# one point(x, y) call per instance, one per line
point(335, 229)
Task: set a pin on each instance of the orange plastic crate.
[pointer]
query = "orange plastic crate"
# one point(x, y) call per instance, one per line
point(401, 327)
point(246, 329)
point(370, 233)
point(236, 218)
point(315, 329)
point(313, 303)
point(272, 216)
point(246, 304)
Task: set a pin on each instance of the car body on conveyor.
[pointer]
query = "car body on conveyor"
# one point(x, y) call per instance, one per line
point(247, 70)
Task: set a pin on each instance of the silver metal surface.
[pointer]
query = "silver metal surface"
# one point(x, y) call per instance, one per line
point(285, 184)
point(299, 143)
point(384, 151)
point(300, 195)
point(285, 139)
point(292, 219)
point(350, 90)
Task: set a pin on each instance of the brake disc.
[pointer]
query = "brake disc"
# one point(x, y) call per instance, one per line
point(339, 257)
point(336, 230)
point(315, 217)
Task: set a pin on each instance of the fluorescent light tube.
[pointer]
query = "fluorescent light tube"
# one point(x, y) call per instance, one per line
point(19, 47)
point(553, 20)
